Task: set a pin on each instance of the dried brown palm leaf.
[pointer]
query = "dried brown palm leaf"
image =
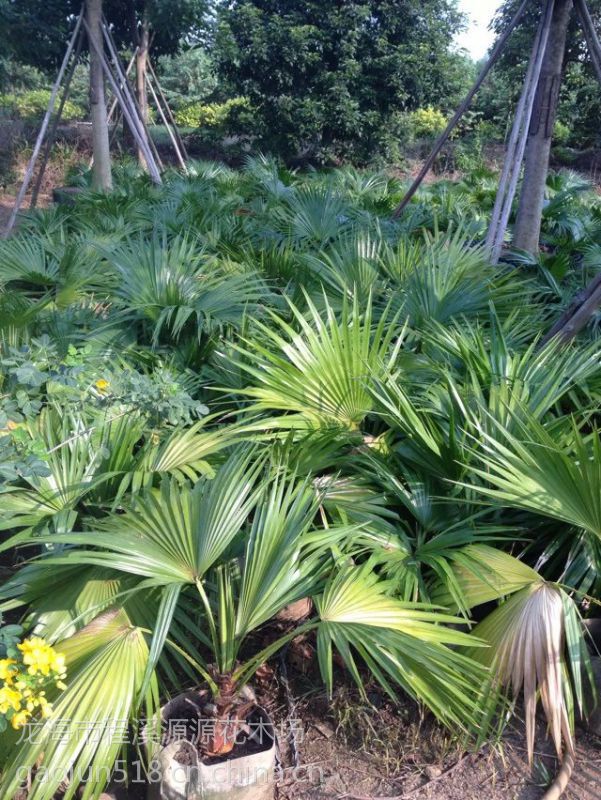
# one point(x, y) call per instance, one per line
point(533, 637)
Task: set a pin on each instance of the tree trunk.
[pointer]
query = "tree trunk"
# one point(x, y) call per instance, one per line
point(141, 72)
point(101, 172)
point(527, 229)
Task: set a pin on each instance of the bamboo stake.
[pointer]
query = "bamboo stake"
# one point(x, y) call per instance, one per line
point(168, 111)
point(113, 106)
point(443, 138)
point(578, 314)
point(44, 127)
point(178, 154)
point(115, 102)
point(590, 34)
point(129, 94)
point(55, 123)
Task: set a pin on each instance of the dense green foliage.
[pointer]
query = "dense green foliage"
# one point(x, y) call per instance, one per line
point(331, 82)
point(36, 31)
point(32, 105)
point(323, 84)
point(237, 390)
point(187, 76)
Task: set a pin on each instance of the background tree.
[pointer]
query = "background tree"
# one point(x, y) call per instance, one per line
point(330, 80)
point(101, 175)
point(38, 29)
point(580, 97)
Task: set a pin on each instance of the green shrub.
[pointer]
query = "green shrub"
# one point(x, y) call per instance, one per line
point(427, 122)
point(33, 104)
point(187, 77)
point(17, 77)
point(561, 133)
point(216, 116)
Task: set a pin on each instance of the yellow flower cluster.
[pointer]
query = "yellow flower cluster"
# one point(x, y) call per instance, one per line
point(22, 693)
point(41, 659)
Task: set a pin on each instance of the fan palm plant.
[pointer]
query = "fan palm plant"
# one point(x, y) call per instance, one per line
point(231, 553)
point(174, 287)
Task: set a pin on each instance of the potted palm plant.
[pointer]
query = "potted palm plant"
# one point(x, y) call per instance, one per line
point(200, 571)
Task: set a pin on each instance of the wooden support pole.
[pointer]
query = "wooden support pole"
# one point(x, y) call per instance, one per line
point(130, 97)
point(168, 111)
point(588, 300)
point(178, 154)
point(455, 120)
point(518, 139)
point(112, 108)
point(590, 34)
point(55, 123)
point(114, 101)
point(44, 127)
point(578, 314)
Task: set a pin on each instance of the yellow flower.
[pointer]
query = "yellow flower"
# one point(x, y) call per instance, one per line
point(19, 719)
point(40, 658)
point(9, 699)
point(8, 670)
point(102, 385)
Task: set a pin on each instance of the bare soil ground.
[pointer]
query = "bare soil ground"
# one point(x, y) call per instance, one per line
point(349, 750)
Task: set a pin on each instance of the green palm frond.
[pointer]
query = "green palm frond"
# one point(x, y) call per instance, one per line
point(320, 369)
point(50, 501)
point(533, 470)
point(445, 277)
point(400, 643)
point(106, 663)
point(175, 534)
point(175, 286)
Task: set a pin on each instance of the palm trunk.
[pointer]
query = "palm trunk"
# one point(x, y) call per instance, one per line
point(538, 152)
point(101, 172)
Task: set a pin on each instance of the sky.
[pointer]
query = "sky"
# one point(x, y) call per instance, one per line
point(478, 38)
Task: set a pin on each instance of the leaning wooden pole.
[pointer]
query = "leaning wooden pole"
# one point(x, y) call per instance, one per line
point(590, 34)
point(458, 115)
point(43, 129)
point(55, 123)
point(538, 151)
point(577, 315)
point(587, 301)
point(165, 121)
point(168, 111)
point(128, 112)
point(130, 98)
